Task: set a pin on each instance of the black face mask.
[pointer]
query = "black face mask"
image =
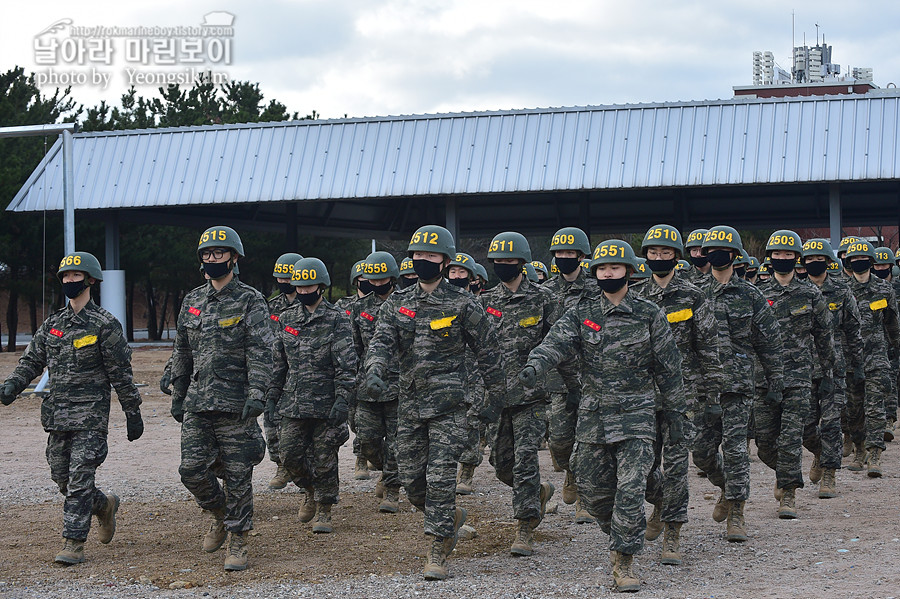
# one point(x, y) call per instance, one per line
point(882, 273)
point(845, 262)
point(462, 283)
point(699, 261)
point(508, 272)
point(475, 288)
point(74, 289)
point(783, 265)
point(661, 267)
point(740, 271)
point(567, 265)
point(860, 266)
point(285, 288)
point(612, 285)
point(383, 289)
point(407, 282)
point(816, 269)
point(217, 270)
point(720, 259)
point(802, 275)
point(428, 271)
point(751, 274)
point(364, 286)
point(308, 299)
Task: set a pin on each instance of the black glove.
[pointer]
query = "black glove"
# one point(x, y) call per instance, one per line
point(375, 386)
point(165, 383)
point(573, 398)
point(253, 408)
point(528, 376)
point(339, 412)
point(177, 410)
point(8, 393)
point(774, 398)
point(712, 412)
point(859, 375)
point(134, 425)
point(676, 426)
point(826, 386)
point(271, 405)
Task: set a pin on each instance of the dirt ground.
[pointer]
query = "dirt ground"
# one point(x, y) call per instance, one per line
point(843, 547)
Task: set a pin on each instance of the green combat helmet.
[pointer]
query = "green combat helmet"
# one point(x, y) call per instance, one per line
point(554, 269)
point(221, 237)
point(884, 255)
point(642, 271)
point(784, 240)
point(541, 267)
point(845, 242)
point(380, 265)
point(722, 236)
point(613, 251)
point(741, 262)
point(530, 272)
point(859, 248)
point(664, 236)
point(310, 271)
point(406, 267)
point(481, 272)
point(509, 244)
point(695, 239)
point(356, 271)
point(897, 256)
point(570, 238)
point(432, 238)
point(464, 260)
point(284, 266)
point(683, 265)
point(80, 262)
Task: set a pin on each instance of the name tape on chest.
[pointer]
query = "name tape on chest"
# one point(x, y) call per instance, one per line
point(834, 306)
point(230, 322)
point(494, 312)
point(86, 340)
point(530, 321)
point(591, 324)
point(680, 315)
point(442, 323)
point(407, 312)
point(878, 305)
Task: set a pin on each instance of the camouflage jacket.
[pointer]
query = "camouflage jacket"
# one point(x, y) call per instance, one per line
point(698, 278)
point(747, 326)
point(567, 294)
point(315, 361)
point(880, 326)
point(277, 305)
point(345, 303)
point(845, 327)
point(363, 318)
point(85, 353)
point(224, 344)
point(426, 334)
point(521, 320)
point(805, 324)
point(696, 332)
point(624, 350)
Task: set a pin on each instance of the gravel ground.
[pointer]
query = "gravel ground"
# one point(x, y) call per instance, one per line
point(844, 547)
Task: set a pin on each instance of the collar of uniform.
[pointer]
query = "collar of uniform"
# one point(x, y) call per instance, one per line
point(578, 283)
point(674, 285)
point(624, 306)
point(70, 314)
point(226, 290)
point(521, 291)
point(435, 296)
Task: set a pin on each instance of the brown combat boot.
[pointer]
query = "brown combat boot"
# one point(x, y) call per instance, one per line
point(459, 518)
point(106, 519)
point(436, 564)
point(570, 489)
point(654, 525)
point(671, 553)
point(236, 556)
point(391, 502)
point(281, 478)
point(582, 516)
point(787, 510)
point(464, 485)
point(859, 458)
point(544, 495)
point(307, 511)
point(322, 524)
point(216, 535)
point(361, 471)
point(778, 492)
point(72, 553)
point(736, 531)
point(889, 431)
point(828, 485)
point(848, 445)
point(524, 539)
point(815, 471)
point(720, 510)
point(623, 575)
point(379, 486)
point(873, 463)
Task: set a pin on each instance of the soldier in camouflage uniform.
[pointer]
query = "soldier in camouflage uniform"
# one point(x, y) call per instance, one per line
point(426, 328)
point(884, 264)
point(408, 276)
point(822, 434)
point(690, 315)
point(625, 345)
point(700, 273)
point(541, 269)
point(311, 388)
point(747, 327)
point(805, 324)
point(568, 246)
point(752, 270)
point(376, 417)
point(284, 268)
point(220, 369)
point(522, 313)
point(880, 331)
point(892, 417)
point(84, 348)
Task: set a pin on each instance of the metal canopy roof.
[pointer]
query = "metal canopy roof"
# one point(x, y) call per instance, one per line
point(675, 160)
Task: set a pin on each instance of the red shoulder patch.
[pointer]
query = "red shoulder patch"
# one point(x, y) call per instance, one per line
point(348, 312)
point(591, 324)
point(367, 316)
point(194, 311)
point(407, 312)
point(292, 331)
point(494, 312)
point(274, 317)
point(771, 302)
point(56, 332)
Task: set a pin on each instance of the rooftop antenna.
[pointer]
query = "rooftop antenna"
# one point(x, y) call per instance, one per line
point(793, 44)
point(817, 34)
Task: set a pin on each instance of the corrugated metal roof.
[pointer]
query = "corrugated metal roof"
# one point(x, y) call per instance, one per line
point(724, 142)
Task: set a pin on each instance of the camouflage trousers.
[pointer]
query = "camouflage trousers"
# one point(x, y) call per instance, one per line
point(309, 452)
point(271, 429)
point(865, 408)
point(611, 482)
point(822, 434)
point(562, 429)
point(74, 457)
point(352, 421)
point(427, 453)
point(779, 435)
point(376, 429)
point(667, 484)
point(473, 453)
point(730, 469)
point(219, 445)
point(514, 456)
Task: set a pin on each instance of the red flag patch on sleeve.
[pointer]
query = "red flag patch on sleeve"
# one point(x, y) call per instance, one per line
point(56, 332)
point(348, 312)
point(407, 312)
point(494, 312)
point(274, 317)
point(367, 316)
point(292, 331)
point(194, 311)
point(591, 324)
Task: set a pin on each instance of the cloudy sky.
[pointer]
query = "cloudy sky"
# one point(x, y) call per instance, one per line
point(384, 57)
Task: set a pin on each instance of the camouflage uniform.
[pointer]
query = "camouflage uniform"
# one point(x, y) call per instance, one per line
point(696, 333)
point(822, 435)
point(223, 346)
point(426, 333)
point(473, 454)
point(624, 349)
point(376, 417)
point(522, 319)
point(277, 305)
point(315, 366)
point(880, 331)
point(85, 353)
point(747, 327)
point(804, 320)
point(345, 304)
point(698, 278)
